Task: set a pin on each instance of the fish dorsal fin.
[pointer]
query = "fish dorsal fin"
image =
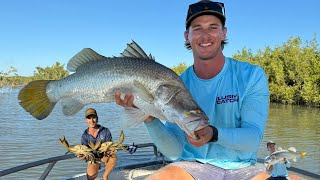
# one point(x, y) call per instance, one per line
point(292, 149)
point(133, 50)
point(82, 57)
point(279, 149)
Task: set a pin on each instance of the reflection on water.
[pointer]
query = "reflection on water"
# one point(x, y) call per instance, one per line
point(295, 126)
point(24, 139)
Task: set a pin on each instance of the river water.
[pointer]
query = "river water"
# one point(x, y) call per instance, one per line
point(24, 139)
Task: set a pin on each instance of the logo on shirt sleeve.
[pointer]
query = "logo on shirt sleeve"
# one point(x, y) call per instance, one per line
point(227, 99)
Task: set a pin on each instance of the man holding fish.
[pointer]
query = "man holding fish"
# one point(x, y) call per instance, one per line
point(215, 112)
point(278, 170)
point(278, 161)
point(234, 96)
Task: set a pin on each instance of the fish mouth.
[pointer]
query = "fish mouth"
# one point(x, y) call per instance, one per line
point(196, 124)
point(193, 124)
point(194, 113)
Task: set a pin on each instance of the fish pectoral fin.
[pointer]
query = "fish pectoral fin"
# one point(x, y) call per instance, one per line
point(133, 116)
point(144, 93)
point(71, 106)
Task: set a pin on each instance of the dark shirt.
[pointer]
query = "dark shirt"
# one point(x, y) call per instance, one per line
point(104, 135)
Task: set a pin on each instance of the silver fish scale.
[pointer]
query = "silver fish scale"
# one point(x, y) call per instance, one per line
point(97, 81)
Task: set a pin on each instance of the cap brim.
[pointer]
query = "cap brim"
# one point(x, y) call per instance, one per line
point(207, 12)
point(271, 143)
point(90, 114)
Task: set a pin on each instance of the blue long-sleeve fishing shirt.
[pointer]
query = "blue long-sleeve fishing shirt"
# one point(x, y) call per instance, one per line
point(280, 170)
point(236, 102)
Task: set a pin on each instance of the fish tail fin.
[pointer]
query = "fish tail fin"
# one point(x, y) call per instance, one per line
point(302, 154)
point(33, 98)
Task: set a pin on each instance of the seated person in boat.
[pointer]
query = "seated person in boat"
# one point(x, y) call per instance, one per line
point(233, 94)
point(93, 133)
point(278, 170)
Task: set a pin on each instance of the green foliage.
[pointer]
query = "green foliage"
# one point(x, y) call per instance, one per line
point(293, 71)
point(54, 72)
point(180, 68)
point(9, 77)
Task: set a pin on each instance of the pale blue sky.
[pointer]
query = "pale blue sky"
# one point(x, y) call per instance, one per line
point(39, 33)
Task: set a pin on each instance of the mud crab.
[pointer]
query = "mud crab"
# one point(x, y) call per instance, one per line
point(81, 149)
point(110, 146)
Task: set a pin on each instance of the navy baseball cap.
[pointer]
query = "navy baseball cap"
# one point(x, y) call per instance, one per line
point(205, 7)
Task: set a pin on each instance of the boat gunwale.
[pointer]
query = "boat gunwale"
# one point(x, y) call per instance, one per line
point(157, 159)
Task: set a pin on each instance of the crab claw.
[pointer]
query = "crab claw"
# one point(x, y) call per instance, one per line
point(64, 142)
point(105, 147)
point(94, 146)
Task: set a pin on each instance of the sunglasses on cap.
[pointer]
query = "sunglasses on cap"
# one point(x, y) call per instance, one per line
point(205, 7)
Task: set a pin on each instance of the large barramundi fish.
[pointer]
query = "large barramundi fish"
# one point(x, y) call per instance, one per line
point(157, 90)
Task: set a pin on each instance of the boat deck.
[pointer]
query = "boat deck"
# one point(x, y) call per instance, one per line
point(134, 171)
point(139, 171)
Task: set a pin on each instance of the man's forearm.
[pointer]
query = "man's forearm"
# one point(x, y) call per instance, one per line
point(165, 141)
point(249, 138)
